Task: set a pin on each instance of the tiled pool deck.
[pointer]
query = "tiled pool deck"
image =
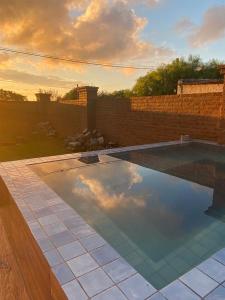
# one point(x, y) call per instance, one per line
point(86, 266)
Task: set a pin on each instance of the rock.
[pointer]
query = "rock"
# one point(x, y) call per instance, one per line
point(74, 145)
point(101, 140)
point(85, 131)
point(93, 142)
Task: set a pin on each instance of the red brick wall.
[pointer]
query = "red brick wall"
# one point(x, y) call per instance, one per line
point(127, 122)
point(153, 119)
point(20, 118)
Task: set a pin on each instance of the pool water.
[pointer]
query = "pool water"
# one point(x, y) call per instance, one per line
point(162, 209)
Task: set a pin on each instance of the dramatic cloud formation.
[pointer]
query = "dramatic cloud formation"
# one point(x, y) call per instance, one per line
point(184, 25)
point(104, 30)
point(211, 29)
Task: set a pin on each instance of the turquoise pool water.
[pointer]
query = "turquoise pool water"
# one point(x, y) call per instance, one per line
point(162, 209)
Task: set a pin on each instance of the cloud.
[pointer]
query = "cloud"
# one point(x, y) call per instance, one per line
point(145, 2)
point(211, 29)
point(32, 79)
point(184, 25)
point(103, 30)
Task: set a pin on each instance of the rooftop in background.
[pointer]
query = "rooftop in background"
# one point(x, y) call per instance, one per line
point(200, 81)
point(200, 86)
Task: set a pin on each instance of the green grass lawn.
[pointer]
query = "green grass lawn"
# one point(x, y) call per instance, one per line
point(37, 146)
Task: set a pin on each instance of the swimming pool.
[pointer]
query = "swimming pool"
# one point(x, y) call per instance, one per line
point(162, 209)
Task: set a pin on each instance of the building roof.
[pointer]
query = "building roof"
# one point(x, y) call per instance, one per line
point(200, 81)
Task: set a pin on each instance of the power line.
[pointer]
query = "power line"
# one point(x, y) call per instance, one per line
point(77, 61)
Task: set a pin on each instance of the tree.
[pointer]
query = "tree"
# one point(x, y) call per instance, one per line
point(11, 96)
point(71, 95)
point(163, 81)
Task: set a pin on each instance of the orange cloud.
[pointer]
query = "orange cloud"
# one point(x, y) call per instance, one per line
point(104, 30)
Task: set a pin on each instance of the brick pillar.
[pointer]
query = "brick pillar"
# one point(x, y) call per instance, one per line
point(221, 134)
point(43, 100)
point(87, 96)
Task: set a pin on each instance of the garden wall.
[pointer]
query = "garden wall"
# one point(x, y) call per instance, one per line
point(124, 121)
point(154, 119)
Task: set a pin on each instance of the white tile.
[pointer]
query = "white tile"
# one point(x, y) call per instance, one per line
point(62, 238)
point(53, 257)
point(214, 269)
point(111, 294)
point(52, 229)
point(137, 288)
point(63, 273)
point(82, 264)
point(95, 282)
point(105, 255)
point(71, 250)
point(220, 256)
point(157, 296)
point(74, 291)
point(199, 282)
point(119, 270)
point(92, 242)
point(217, 294)
point(178, 291)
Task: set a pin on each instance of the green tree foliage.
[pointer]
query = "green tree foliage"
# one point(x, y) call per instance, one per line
point(71, 95)
point(116, 94)
point(11, 96)
point(163, 81)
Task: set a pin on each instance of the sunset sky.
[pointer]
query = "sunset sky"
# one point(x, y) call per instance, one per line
point(128, 32)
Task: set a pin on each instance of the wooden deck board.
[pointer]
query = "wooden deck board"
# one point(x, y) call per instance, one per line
point(24, 271)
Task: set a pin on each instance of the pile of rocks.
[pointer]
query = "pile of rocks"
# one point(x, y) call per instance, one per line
point(88, 141)
point(45, 128)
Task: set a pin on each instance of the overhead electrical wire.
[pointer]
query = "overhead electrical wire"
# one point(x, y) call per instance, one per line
point(77, 61)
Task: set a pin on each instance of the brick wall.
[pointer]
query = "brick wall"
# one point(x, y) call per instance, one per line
point(127, 122)
point(153, 119)
point(20, 118)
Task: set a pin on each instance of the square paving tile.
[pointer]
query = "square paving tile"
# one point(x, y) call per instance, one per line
point(220, 256)
point(73, 222)
point(52, 229)
point(199, 282)
point(111, 294)
point(82, 231)
point(178, 291)
point(157, 296)
point(45, 245)
point(74, 291)
point(105, 255)
point(137, 288)
point(82, 264)
point(217, 294)
point(62, 238)
point(51, 219)
point(119, 270)
point(92, 242)
point(63, 273)
point(71, 250)
point(95, 282)
point(53, 257)
point(214, 269)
